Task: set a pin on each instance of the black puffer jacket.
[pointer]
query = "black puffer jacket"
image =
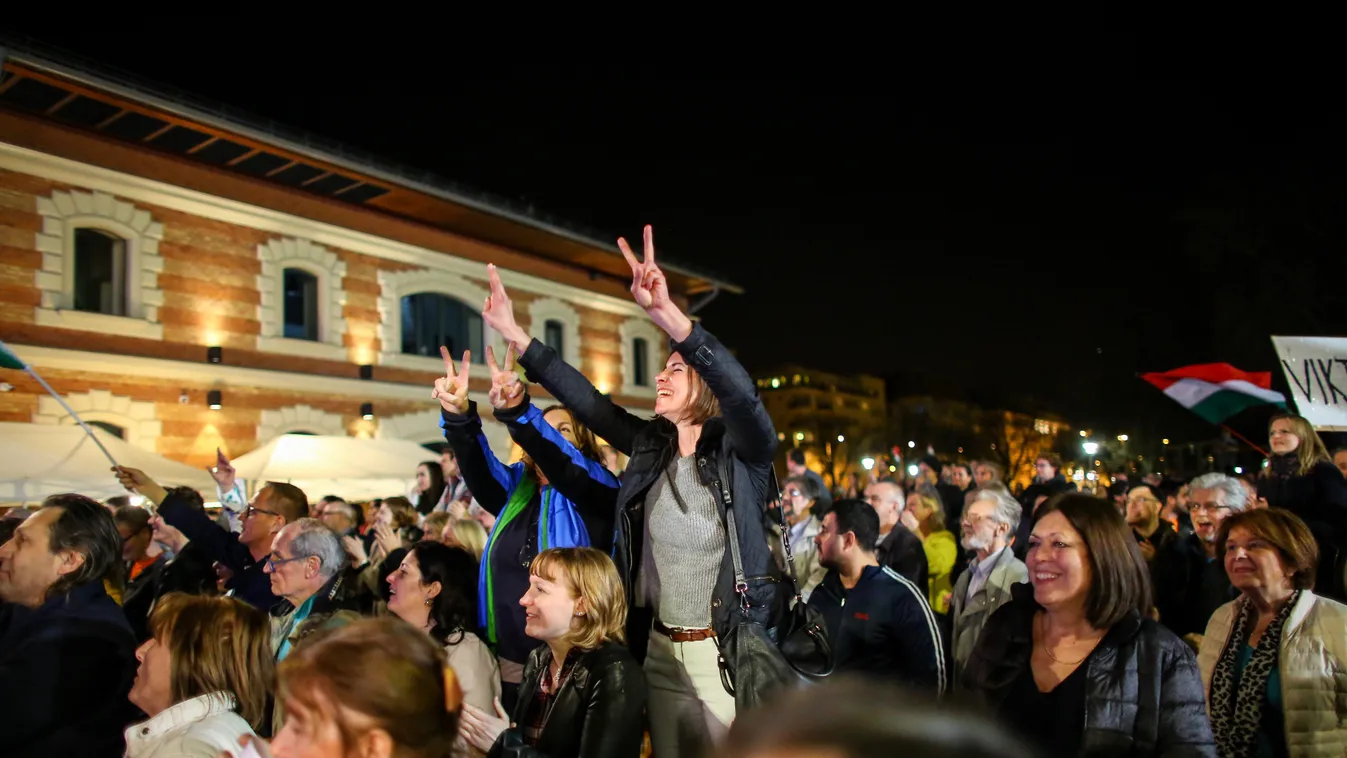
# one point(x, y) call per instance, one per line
point(598, 713)
point(1143, 693)
point(1319, 498)
point(735, 450)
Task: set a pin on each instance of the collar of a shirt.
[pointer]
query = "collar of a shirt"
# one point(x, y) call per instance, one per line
point(186, 712)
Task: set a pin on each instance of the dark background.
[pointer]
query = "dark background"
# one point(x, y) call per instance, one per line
point(1021, 223)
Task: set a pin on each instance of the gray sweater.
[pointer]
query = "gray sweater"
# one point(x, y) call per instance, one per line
point(684, 546)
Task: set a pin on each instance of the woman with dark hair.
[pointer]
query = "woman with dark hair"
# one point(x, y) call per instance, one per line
point(435, 589)
point(1301, 478)
point(706, 455)
point(429, 486)
point(532, 515)
point(1073, 661)
point(1272, 659)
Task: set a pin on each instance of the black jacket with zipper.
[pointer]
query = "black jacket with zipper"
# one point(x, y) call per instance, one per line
point(1143, 692)
point(734, 459)
point(599, 712)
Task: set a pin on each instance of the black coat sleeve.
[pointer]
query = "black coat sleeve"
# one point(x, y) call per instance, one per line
point(1184, 730)
point(610, 421)
point(586, 483)
point(747, 425)
point(213, 542)
point(489, 480)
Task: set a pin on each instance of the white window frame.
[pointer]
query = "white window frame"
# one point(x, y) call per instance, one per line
point(138, 418)
point(299, 418)
point(65, 211)
point(656, 353)
point(282, 253)
point(395, 285)
point(550, 309)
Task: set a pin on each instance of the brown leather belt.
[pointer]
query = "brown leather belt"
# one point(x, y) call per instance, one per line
point(685, 635)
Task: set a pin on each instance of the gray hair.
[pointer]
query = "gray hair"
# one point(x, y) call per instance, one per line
point(311, 537)
point(1007, 511)
point(345, 509)
point(1234, 495)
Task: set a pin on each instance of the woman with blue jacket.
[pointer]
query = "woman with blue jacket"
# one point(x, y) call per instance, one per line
point(531, 515)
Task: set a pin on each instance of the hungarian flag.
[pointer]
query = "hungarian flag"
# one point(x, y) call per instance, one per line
point(1217, 391)
point(9, 360)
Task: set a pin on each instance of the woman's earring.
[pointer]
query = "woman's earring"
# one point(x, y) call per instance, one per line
point(427, 600)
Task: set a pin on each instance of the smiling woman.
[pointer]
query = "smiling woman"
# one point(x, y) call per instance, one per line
point(1056, 661)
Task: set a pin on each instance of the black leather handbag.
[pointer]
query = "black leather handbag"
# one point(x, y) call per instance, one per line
point(755, 661)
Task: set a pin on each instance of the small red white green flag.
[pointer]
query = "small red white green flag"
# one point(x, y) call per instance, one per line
point(1217, 391)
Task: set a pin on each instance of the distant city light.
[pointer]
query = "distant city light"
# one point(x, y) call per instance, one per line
point(1091, 476)
point(1082, 432)
point(775, 383)
point(893, 469)
point(841, 438)
point(867, 463)
point(1239, 469)
point(1122, 437)
point(1090, 447)
point(913, 470)
point(1079, 475)
point(1164, 441)
point(799, 436)
point(911, 444)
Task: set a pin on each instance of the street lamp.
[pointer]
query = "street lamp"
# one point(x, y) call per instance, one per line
point(867, 463)
point(1090, 447)
point(913, 470)
point(911, 444)
point(799, 436)
point(1122, 437)
point(1082, 432)
point(841, 438)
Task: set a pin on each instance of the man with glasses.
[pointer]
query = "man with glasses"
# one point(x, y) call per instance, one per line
point(1190, 583)
point(988, 523)
point(141, 570)
point(1143, 515)
point(245, 553)
point(305, 568)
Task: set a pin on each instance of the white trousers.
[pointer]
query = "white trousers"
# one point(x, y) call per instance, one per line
point(690, 711)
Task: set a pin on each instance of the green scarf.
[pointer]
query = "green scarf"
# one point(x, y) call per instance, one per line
point(519, 500)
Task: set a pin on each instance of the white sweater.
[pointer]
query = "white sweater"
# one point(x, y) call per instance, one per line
point(198, 728)
point(1313, 667)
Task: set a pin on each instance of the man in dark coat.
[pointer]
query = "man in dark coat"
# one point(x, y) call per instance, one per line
point(67, 656)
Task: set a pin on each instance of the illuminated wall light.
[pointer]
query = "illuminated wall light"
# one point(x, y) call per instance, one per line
point(367, 411)
point(213, 399)
point(214, 354)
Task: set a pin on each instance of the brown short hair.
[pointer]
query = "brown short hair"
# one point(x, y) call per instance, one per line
point(585, 441)
point(386, 670)
point(593, 577)
point(1052, 458)
point(289, 501)
point(1120, 578)
point(1286, 532)
point(216, 644)
point(404, 515)
point(434, 524)
point(704, 405)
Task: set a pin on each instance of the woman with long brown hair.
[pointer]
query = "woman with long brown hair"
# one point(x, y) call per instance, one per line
point(204, 678)
point(531, 514)
point(1301, 478)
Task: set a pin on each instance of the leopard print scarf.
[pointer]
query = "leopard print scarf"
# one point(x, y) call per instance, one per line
point(1237, 713)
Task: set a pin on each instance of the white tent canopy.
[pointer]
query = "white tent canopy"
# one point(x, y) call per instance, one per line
point(46, 459)
point(349, 467)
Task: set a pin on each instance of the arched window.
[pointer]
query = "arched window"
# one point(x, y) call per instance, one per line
point(430, 319)
point(640, 362)
point(301, 304)
point(100, 272)
point(112, 429)
point(554, 336)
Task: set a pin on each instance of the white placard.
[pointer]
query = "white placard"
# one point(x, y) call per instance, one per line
point(1316, 370)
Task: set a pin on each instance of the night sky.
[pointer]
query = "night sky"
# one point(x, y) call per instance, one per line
point(1014, 222)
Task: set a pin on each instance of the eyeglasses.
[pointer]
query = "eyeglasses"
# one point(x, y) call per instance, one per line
point(272, 563)
point(134, 534)
point(793, 493)
point(254, 509)
point(1208, 507)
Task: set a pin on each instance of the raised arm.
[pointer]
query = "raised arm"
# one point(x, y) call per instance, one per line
point(584, 482)
point(746, 422)
point(489, 480)
point(595, 410)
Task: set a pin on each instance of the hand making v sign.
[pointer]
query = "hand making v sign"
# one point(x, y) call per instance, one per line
point(452, 389)
point(650, 288)
point(507, 389)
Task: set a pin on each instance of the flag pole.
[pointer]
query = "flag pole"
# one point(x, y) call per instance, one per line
point(1245, 440)
point(29, 369)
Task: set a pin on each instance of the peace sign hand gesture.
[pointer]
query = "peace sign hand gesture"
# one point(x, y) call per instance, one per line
point(452, 389)
point(507, 389)
point(498, 312)
point(648, 284)
point(650, 288)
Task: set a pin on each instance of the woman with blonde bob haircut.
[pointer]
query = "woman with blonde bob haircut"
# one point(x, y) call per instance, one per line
point(204, 677)
point(582, 693)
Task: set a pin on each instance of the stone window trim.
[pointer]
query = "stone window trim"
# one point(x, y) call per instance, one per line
point(62, 213)
point(279, 254)
point(298, 418)
point(551, 309)
point(395, 285)
point(138, 418)
point(656, 353)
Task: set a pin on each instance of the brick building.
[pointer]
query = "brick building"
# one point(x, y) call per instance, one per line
point(154, 253)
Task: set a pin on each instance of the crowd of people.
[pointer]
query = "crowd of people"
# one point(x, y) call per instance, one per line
point(566, 605)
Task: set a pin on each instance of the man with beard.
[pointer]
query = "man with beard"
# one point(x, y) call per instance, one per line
point(879, 622)
point(1190, 583)
point(988, 523)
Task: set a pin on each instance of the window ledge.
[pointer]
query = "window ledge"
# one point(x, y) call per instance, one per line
point(102, 323)
point(304, 348)
point(413, 362)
